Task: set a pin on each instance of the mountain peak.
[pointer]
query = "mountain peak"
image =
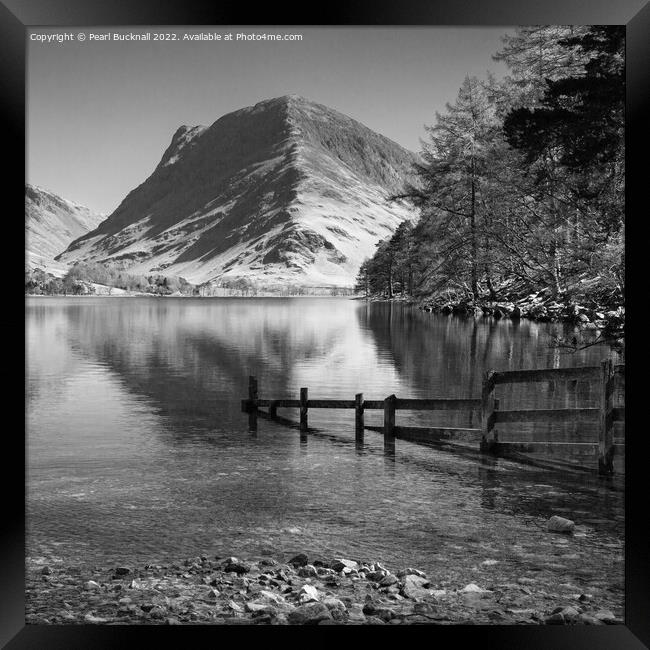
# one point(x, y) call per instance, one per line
point(284, 191)
point(286, 99)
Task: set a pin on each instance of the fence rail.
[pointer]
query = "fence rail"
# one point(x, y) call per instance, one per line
point(605, 415)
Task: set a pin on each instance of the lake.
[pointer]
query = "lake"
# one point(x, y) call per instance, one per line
point(137, 449)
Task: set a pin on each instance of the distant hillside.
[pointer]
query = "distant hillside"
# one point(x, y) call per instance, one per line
point(51, 223)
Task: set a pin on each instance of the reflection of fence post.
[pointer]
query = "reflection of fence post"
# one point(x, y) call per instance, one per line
point(303, 409)
point(358, 417)
point(606, 421)
point(488, 406)
point(252, 403)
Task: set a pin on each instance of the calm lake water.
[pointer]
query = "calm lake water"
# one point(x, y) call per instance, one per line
point(138, 451)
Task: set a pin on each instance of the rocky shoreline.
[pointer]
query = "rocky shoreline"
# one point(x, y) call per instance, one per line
point(300, 591)
point(541, 307)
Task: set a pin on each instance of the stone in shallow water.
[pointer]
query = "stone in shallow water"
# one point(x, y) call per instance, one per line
point(415, 587)
point(308, 571)
point(333, 603)
point(388, 580)
point(309, 614)
point(259, 606)
point(308, 593)
point(560, 525)
point(555, 619)
point(339, 564)
point(374, 620)
point(89, 618)
point(355, 614)
point(299, 560)
point(471, 588)
point(606, 616)
point(376, 576)
point(272, 597)
point(233, 565)
point(588, 619)
point(236, 607)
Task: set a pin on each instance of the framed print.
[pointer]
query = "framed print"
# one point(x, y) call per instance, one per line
point(326, 322)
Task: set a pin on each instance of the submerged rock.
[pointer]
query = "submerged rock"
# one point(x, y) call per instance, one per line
point(340, 564)
point(560, 525)
point(233, 565)
point(308, 593)
point(299, 560)
point(309, 614)
point(415, 587)
point(308, 571)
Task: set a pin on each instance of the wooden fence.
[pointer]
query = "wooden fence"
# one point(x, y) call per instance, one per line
point(487, 406)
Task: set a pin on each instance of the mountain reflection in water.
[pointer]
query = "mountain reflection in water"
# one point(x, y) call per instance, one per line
point(137, 447)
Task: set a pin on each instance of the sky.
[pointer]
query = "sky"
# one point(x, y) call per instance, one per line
point(101, 113)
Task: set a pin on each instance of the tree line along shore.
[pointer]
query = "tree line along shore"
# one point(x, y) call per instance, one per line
point(520, 200)
point(96, 279)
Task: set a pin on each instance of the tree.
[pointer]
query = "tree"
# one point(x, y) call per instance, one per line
point(457, 158)
point(534, 55)
point(362, 282)
point(573, 142)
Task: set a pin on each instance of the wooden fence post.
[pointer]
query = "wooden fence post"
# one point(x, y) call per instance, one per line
point(273, 409)
point(606, 421)
point(303, 409)
point(252, 403)
point(358, 417)
point(389, 417)
point(487, 411)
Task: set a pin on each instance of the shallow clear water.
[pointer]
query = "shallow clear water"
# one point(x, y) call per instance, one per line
point(138, 451)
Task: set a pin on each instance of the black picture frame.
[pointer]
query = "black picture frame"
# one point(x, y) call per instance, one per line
point(17, 15)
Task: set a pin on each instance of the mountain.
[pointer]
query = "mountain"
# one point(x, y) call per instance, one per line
point(51, 223)
point(286, 191)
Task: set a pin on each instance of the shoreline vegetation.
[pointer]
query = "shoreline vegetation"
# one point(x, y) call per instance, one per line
point(598, 321)
point(520, 204)
point(96, 279)
point(308, 591)
point(584, 306)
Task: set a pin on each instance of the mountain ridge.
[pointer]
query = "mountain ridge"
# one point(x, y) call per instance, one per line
point(286, 190)
point(51, 224)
